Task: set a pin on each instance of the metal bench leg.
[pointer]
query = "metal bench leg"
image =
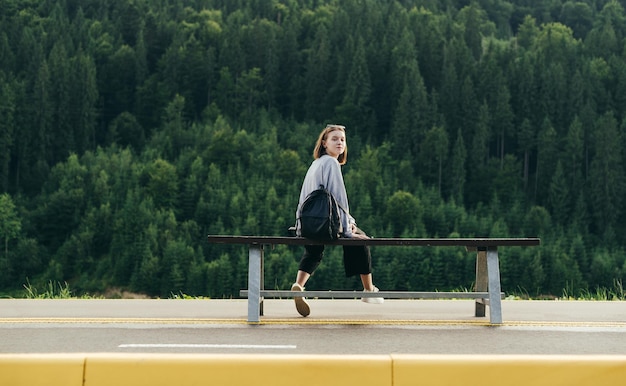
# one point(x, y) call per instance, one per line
point(255, 258)
point(481, 284)
point(493, 272)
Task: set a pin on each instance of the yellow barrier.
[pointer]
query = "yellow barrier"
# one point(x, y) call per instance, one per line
point(40, 369)
point(225, 370)
point(305, 370)
point(510, 370)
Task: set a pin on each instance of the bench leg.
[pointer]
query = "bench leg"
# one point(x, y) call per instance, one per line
point(493, 273)
point(255, 260)
point(482, 283)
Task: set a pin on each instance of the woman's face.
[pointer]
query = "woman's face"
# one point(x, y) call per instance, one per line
point(335, 143)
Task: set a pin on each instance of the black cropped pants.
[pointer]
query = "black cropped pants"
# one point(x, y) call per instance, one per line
point(357, 259)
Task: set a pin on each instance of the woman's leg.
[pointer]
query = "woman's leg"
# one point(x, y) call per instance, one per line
point(302, 277)
point(311, 259)
point(367, 281)
point(357, 260)
point(308, 264)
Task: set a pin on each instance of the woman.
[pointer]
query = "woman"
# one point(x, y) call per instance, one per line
point(329, 154)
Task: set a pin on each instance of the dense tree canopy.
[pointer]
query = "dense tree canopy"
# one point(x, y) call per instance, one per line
point(130, 129)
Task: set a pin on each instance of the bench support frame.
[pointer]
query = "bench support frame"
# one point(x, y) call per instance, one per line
point(255, 283)
point(488, 279)
point(487, 287)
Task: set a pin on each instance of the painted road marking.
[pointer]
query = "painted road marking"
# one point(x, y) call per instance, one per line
point(310, 321)
point(188, 345)
point(119, 321)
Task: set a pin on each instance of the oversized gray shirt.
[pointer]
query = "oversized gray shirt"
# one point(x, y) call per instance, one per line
point(327, 171)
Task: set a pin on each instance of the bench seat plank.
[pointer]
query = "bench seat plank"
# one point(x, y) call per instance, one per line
point(436, 242)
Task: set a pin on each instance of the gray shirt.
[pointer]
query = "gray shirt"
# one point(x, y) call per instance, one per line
point(327, 171)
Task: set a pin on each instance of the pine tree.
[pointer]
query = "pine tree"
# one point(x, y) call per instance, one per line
point(573, 157)
point(458, 160)
point(502, 119)
point(478, 157)
point(547, 151)
point(7, 122)
point(84, 91)
point(318, 76)
point(559, 196)
point(526, 143)
point(61, 135)
point(10, 222)
point(355, 107)
point(434, 153)
point(410, 117)
point(607, 174)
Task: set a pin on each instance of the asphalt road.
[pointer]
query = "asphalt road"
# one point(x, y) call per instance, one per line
point(334, 327)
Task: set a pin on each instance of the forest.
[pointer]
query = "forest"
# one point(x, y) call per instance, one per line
point(131, 129)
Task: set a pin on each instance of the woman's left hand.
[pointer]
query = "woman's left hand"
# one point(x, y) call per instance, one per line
point(358, 233)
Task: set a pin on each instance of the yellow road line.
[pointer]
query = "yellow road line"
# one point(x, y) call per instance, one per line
point(119, 321)
point(309, 321)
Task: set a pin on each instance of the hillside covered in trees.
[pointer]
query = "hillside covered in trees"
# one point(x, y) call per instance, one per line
point(131, 129)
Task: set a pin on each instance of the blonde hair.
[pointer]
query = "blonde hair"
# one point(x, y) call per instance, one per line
point(319, 147)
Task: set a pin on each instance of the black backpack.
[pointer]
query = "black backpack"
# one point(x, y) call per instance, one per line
point(319, 216)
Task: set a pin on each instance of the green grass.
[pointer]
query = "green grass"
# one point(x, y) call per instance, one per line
point(614, 293)
point(182, 296)
point(52, 290)
point(602, 293)
point(58, 290)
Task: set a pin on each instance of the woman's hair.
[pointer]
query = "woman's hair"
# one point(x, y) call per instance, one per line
point(319, 147)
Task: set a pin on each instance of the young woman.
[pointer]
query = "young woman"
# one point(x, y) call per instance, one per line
point(329, 154)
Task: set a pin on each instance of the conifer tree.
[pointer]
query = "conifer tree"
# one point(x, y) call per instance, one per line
point(7, 122)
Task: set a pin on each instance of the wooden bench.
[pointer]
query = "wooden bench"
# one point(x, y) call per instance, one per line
point(487, 290)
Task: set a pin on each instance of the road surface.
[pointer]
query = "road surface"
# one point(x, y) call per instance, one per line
point(334, 327)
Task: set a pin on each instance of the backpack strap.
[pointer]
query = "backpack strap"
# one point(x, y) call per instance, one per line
point(338, 203)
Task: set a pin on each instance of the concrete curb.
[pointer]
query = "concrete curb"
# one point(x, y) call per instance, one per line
point(308, 370)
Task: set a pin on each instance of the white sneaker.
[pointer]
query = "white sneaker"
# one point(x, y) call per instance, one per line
point(301, 305)
point(373, 300)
